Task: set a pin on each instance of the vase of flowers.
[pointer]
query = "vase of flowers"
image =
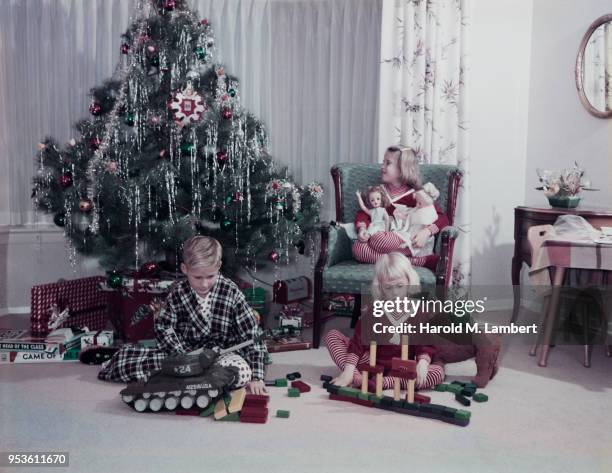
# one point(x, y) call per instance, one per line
point(563, 188)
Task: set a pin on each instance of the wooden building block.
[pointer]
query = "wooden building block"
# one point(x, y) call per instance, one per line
point(238, 397)
point(220, 409)
point(301, 385)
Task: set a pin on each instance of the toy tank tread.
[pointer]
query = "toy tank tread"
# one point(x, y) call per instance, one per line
point(168, 393)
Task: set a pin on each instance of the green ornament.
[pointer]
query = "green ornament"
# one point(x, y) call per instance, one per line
point(201, 53)
point(229, 200)
point(232, 92)
point(226, 224)
point(129, 119)
point(60, 219)
point(279, 205)
point(187, 148)
point(114, 280)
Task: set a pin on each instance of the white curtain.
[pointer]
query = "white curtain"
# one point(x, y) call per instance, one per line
point(423, 95)
point(308, 69)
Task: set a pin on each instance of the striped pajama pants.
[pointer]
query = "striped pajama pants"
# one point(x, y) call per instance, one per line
point(337, 344)
point(386, 242)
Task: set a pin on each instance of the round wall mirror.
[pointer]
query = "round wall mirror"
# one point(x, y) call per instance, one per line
point(594, 68)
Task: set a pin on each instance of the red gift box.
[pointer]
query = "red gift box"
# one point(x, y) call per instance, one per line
point(86, 304)
point(130, 308)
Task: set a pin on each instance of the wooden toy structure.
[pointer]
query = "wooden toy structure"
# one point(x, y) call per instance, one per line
point(413, 404)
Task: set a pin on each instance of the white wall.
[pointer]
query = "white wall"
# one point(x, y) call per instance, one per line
point(561, 131)
point(32, 255)
point(498, 88)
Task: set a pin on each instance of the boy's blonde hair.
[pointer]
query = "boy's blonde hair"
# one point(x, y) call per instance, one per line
point(408, 165)
point(384, 198)
point(200, 250)
point(390, 267)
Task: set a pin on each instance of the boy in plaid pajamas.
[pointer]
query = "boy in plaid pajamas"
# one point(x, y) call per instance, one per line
point(207, 310)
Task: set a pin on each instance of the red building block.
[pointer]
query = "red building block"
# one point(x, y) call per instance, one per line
point(253, 420)
point(255, 400)
point(404, 365)
point(371, 369)
point(254, 412)
point(402, 374)
point(421, 398)
point(301, 385)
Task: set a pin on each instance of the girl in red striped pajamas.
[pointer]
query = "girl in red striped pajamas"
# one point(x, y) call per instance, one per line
point(393, 273)
point(400, 178)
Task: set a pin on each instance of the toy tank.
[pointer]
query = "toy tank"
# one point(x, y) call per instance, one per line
point(184, 381)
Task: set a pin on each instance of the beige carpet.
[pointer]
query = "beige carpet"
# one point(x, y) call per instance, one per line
point(552, 419)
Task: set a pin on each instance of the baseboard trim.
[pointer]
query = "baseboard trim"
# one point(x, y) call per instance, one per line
point(15, 310)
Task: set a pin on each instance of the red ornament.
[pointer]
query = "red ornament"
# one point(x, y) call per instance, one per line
point(204, 22)
point(95, 142)
point(149, 269)
point(85, 205)
point(227, 113)
point(95, 109)
point(65, 180)
point(238, 197)
point(273, 256)
point(125, 48)
point(169, 5)
point(222, 158)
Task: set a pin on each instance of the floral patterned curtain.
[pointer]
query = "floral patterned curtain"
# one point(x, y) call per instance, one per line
point(423, 94)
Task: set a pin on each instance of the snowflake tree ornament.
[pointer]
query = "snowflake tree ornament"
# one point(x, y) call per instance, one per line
point(187, 106)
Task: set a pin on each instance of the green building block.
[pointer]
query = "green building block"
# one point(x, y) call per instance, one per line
point(209, 410)
point(374, 398)
point(462, 414)
point(233, 417)
point(471, 386)
point(363, 396)
point(350, 392)
point(281, 383)
point(411, 406)
point(441, 387)
point(462, 399)
point(480, 397)
point(283, 414)
point(293, 392)
point(454, 388)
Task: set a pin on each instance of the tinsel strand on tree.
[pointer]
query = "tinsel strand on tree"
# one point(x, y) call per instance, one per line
point(170, 152)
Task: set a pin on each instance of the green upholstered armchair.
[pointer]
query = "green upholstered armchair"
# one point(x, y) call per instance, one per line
point(337, 271)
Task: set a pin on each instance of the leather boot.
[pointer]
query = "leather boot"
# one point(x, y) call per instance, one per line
point(486, 361)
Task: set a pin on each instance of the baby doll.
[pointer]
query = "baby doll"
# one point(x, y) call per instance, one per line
point(410, 221)
point(377, 202)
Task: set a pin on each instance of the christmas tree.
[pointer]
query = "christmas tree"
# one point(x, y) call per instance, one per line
point(169, 152)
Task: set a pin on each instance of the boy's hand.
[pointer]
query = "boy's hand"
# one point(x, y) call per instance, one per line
point(257, 386)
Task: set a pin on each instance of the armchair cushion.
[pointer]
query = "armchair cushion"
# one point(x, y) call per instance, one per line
point(351, 276)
